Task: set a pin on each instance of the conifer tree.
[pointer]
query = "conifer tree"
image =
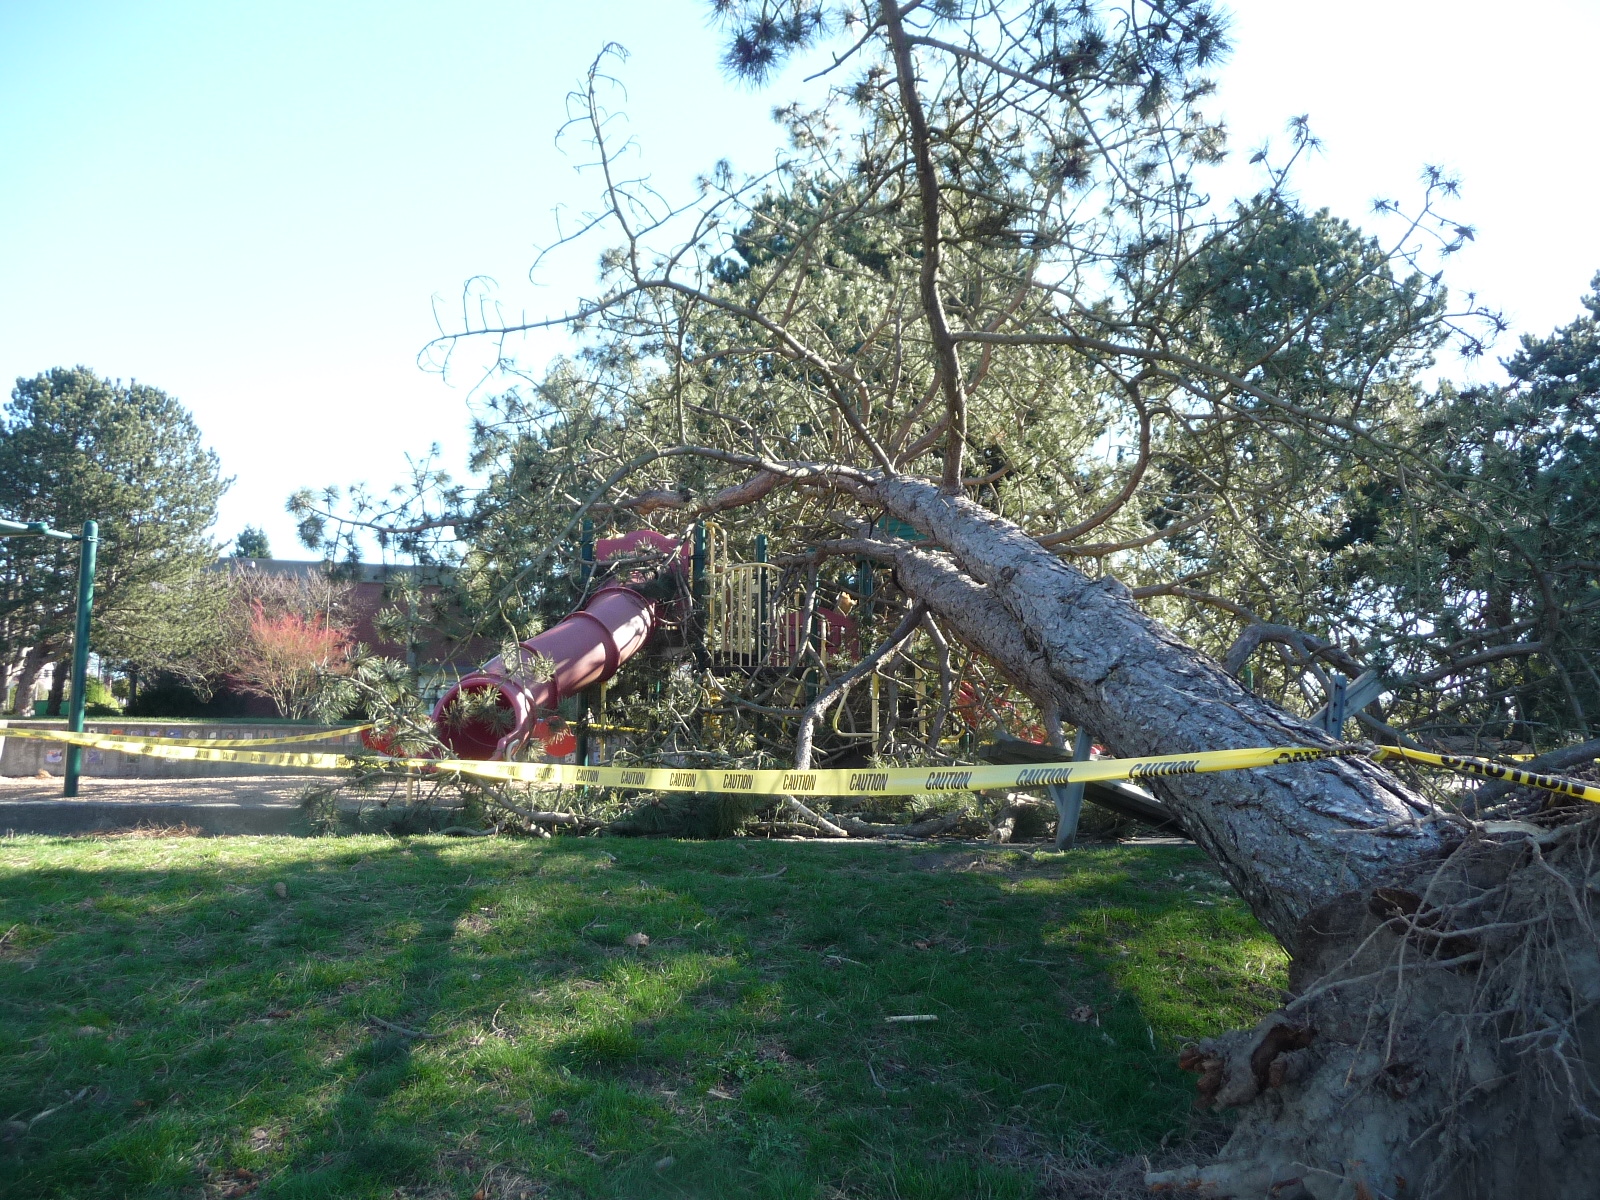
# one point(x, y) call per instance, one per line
point(76, 447)
point(984, 326)
point(251, 543)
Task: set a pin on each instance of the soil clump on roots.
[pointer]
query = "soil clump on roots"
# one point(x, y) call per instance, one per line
point(1439, 1037)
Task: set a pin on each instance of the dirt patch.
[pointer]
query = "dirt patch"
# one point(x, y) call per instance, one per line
point(477, 922)
point(503, 1183)
point(957, 860)
point(146, 829)
point(1119, 1181)
point(1089, 1171)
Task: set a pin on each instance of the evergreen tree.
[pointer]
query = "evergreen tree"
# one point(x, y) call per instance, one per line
point(1498, 566)
point(76, 447)
point(251, 543)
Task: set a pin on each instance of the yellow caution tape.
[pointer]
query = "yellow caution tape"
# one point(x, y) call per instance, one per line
point(897, 781)
point(906, 781)
point(866, 781)
point(1489, 769)
point(88, 739)
point(190, 752)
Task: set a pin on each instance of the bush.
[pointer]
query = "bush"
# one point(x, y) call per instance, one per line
point(99, 701)
point(168, 695)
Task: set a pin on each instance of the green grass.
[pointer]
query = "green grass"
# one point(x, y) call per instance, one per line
point(226, 1040)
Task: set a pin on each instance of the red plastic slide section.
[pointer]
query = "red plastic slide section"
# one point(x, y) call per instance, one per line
point(587, 648)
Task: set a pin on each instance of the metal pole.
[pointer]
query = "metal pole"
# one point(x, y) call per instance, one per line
point(1069, 796)
point(1334, 718)
point(585, 716)
point(697, 571)
point(89, 542)
point(875, 715)
point(697, 627)
point(866, 585)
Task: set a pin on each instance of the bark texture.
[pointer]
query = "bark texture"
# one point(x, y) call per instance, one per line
point(58, 687)
point(1290, 837)
point(27, 679)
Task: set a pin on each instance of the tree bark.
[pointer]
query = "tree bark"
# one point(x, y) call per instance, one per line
point(946, 354)
point(58, 687)
point(27, 679)
point(1444, 1005)
point(1290, 837)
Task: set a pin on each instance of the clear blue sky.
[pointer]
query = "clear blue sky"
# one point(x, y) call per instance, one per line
point(253, 205)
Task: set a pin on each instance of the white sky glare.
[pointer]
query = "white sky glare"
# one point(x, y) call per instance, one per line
point(252, 205)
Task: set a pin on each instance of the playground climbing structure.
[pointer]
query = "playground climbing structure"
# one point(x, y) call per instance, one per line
point(772, 628)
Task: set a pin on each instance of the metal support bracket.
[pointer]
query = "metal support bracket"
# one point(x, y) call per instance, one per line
point(1068, 797)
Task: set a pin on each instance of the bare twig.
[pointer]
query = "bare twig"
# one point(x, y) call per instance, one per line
point(403, 1031)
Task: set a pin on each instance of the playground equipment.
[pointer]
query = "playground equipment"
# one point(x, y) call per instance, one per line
point(582, 651)
point(88, 540)
point(752, 621)
point(752, 617)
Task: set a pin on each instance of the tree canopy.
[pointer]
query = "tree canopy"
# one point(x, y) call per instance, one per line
point(251, 543)
point(77, 447)
point(989, 256)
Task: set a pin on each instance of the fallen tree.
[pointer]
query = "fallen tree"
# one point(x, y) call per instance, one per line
point(1446, 974)
point(986, 262)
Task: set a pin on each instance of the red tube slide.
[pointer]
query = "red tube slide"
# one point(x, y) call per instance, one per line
point(587, 648)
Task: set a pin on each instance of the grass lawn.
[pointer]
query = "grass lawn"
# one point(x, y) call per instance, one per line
point(205, 1036)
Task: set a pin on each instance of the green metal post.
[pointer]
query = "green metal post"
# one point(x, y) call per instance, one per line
point(699, 617)
point(866, 587)
point(697, 572)
point(585, 719)
point(88, 544)
point(763, 646)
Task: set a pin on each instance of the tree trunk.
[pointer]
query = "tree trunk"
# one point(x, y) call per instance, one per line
point(27, 679)
point(58, 687)
point(1445, 983)
point(1283, 835)
point(1439, 1041)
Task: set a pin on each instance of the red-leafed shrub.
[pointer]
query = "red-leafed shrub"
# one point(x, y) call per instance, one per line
point(283, 655)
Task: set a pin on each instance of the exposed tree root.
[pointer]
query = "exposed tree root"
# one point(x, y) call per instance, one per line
point(1440, 1041)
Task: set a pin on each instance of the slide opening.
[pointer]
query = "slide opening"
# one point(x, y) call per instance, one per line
point(479, 735)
